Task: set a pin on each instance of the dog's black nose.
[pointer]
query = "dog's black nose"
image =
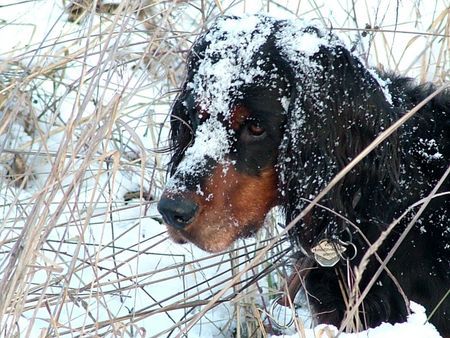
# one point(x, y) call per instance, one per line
point(177, 211)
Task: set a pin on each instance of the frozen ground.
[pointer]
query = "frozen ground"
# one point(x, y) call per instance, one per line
point(84, 110)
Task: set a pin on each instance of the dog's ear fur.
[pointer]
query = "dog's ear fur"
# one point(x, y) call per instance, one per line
point(339, 108)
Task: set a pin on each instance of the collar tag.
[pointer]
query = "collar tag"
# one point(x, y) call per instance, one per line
point(328, 253)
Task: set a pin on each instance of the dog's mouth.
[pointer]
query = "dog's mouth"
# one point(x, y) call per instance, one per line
point(176, 236)
point(207, 238)
point(211, 230)
point(232, 205)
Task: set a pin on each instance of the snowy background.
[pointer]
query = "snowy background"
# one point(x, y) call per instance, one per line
point(85, 88)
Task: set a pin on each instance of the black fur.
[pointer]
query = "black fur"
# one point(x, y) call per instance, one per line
point(343, 108)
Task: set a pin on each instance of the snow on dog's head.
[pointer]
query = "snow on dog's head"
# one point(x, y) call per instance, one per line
point(230, 57)
point(246, 76)
point(227, 63)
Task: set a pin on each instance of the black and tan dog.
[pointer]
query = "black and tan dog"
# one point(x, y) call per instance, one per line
point(270, 111)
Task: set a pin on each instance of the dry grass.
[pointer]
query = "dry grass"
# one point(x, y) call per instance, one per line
point(83, 107)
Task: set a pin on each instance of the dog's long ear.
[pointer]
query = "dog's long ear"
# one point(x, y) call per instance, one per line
point(337, 108)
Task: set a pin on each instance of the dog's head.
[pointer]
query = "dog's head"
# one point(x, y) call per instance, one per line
point(240, 120)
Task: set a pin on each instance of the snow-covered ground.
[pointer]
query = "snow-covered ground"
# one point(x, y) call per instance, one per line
point(83, 106)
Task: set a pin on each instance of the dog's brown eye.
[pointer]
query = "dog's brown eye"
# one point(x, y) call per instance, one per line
point(256, 129)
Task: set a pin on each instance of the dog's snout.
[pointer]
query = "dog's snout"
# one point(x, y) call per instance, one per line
point(177, 211)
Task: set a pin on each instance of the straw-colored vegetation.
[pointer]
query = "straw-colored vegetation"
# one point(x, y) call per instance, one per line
point(85, 87)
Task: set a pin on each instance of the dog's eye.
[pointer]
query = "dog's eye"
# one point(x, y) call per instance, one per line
point(255, 128)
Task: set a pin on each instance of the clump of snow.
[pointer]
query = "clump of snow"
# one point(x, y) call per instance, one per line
point(211, 143)
point(429, 149)
point(228, 61)
point(303, 38)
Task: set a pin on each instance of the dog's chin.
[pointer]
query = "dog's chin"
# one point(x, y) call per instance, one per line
point(176, 236)
point(212, 244)
point(213, 247)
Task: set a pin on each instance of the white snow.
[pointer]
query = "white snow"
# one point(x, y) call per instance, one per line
point(429, 149)
point(295, 41)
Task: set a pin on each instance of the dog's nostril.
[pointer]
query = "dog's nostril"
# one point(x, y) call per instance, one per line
point(177, 211)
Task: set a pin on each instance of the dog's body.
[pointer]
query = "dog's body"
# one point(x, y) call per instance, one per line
point(269, 113)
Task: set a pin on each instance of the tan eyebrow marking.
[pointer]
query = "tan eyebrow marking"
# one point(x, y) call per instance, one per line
point(238, 116)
